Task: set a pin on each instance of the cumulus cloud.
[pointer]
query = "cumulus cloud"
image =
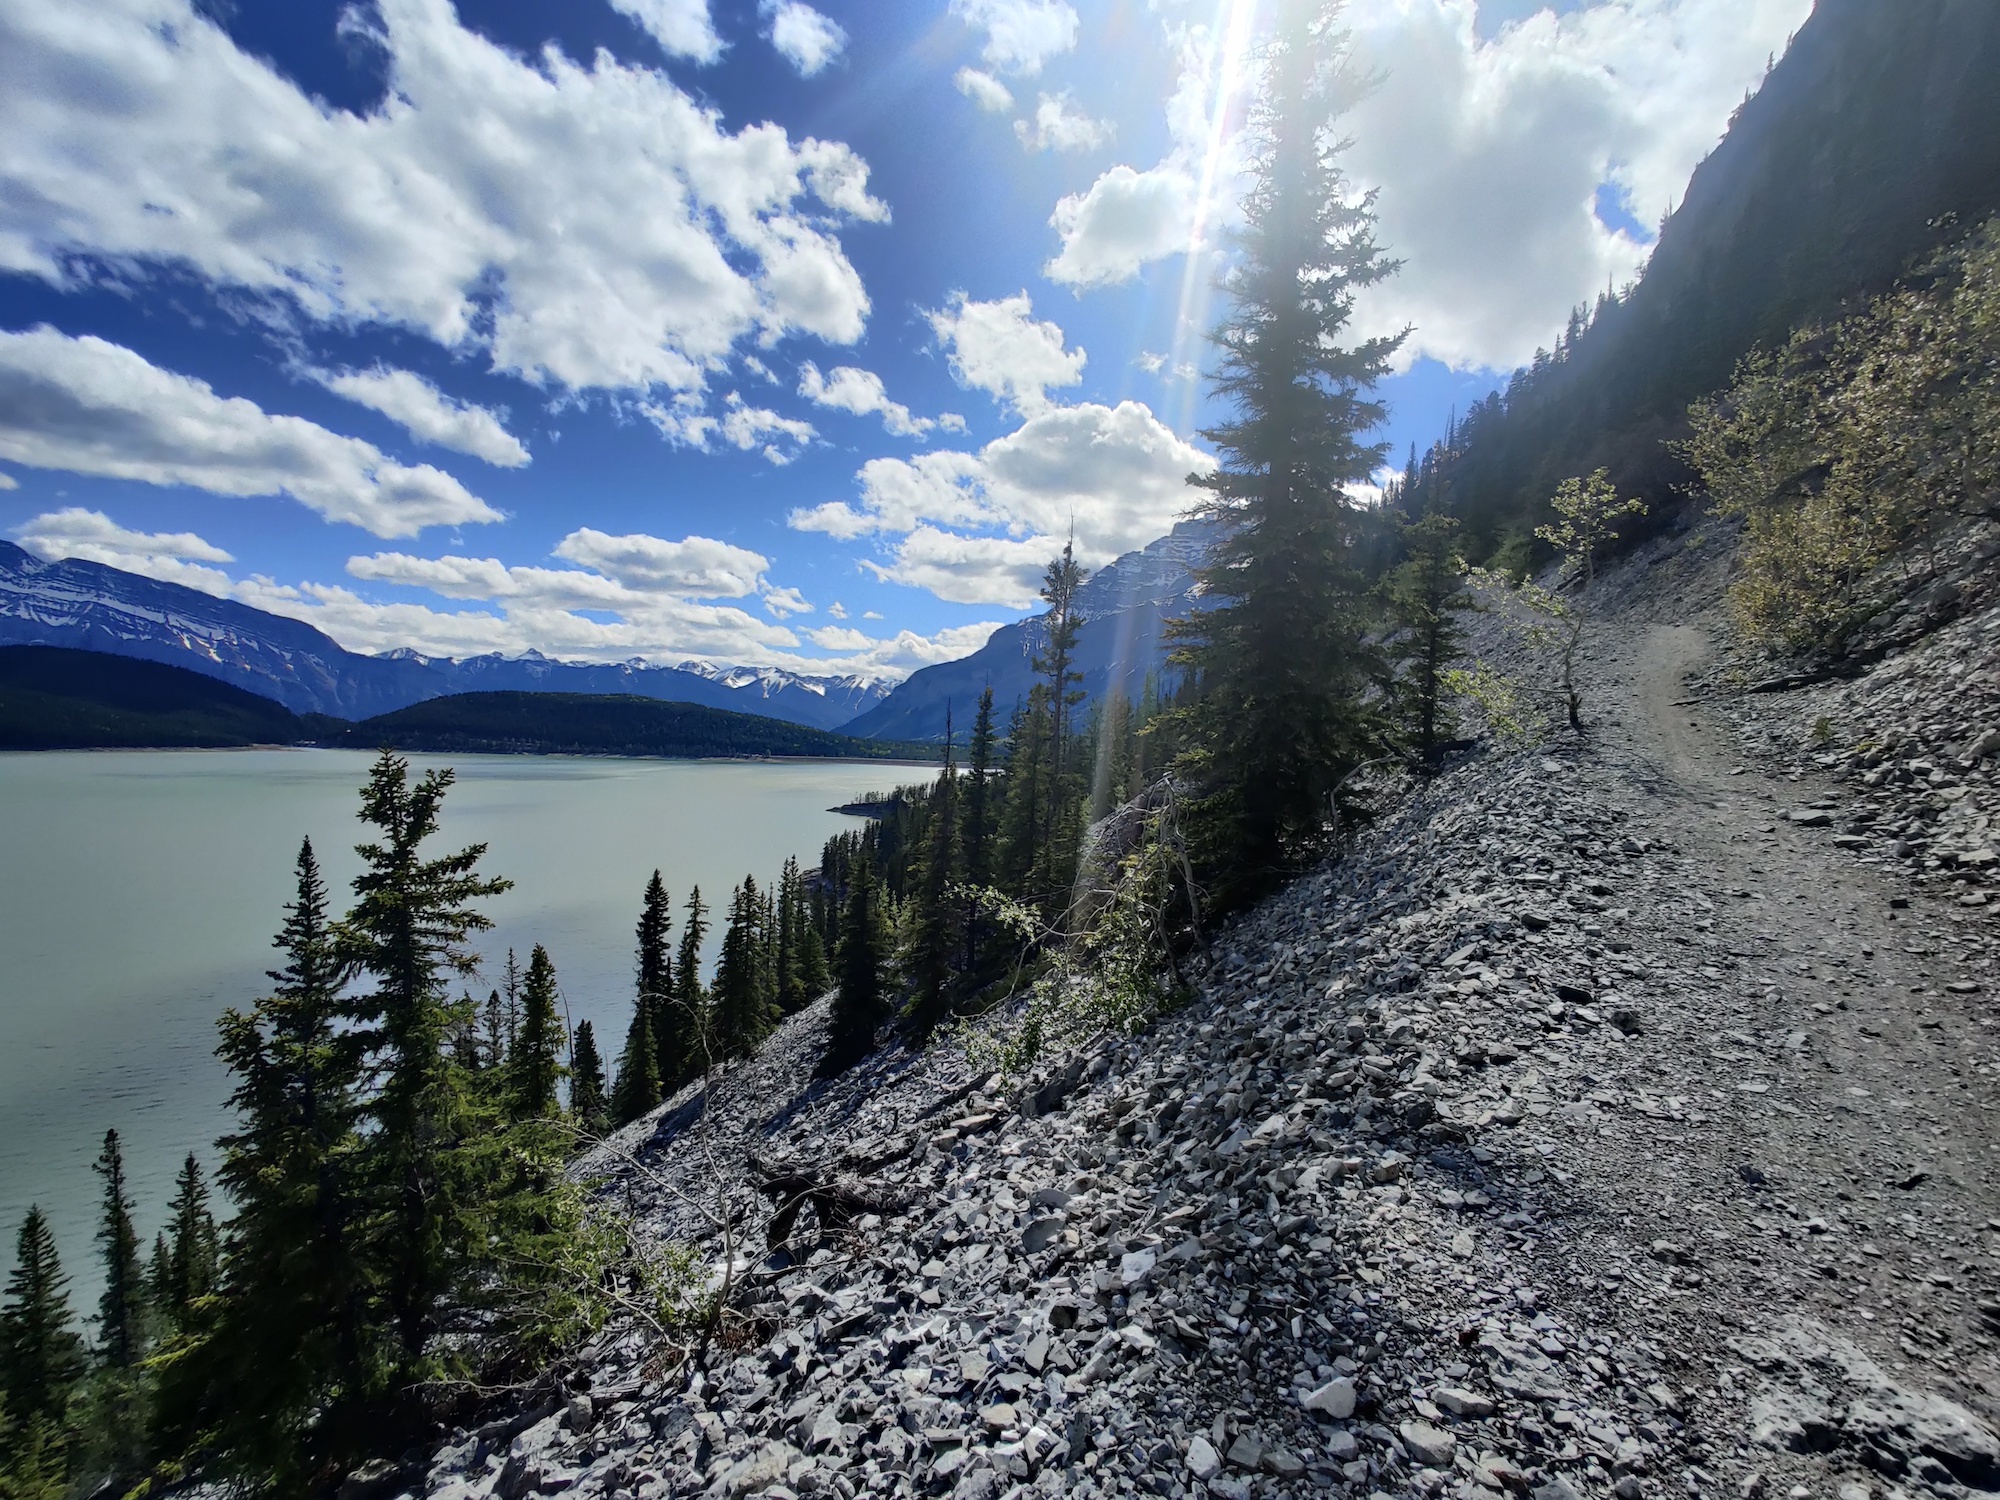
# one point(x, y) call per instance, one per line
point(1059, 125)
point(984, 90)
point(804, 38)
point(426, 413)
point(697, 566)
point(92, 407)
point(1021, 35)
point(978, 528)
point(999, 348)
point(681, 27)
point(1489, 153)
point(860, 391)
point(176, 557)
point(1130, 217)
point(747, 427)
point(588, 226)
point(786, 602)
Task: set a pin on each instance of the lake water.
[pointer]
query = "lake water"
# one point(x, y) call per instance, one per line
point(139, 892)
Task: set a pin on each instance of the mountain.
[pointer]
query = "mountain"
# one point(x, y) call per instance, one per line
point(93, 607)
point(593, 724)
point(1124, 604)
point(57, 698)
point(1873, 141)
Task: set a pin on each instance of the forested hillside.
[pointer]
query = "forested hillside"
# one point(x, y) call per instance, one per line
point(52, 698)
point(1872, 142)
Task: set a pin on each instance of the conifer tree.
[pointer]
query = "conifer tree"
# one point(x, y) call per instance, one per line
point(637, 1090)
point(41, 1356)
point(535, 1069)
point(741, 1004)
point(493, 1033)
point(121, 1307)
point(814, 976)
point(979, 820)
point(690, 999)
point(935, 936)
point(1282, 658)
point(284, 1382)
point(1424, 595)
point(862, 968)
point(407, 931)
point(1022, 830)
point(655, 983)
point(586, 1083)
point(193, 1251)
point(1056, 864)
point(791, 990)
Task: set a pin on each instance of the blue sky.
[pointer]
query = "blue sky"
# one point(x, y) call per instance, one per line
point(765, 333)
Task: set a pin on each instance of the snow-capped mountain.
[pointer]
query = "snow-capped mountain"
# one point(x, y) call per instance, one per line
point(99, 608)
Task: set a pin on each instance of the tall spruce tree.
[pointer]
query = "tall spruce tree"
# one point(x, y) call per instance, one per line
point(1022, 829)
point(636, 1089)
point(861, 968)
point(1282, 658)
point(407, 932)
point(690, 999)
point(193, 1249)
point(41, 1356)
point(587, 1103)
point(121, 1308)
point(1055, 866)
point(536, 1069)
point(655, 982)
point(814, 976)
point(284, 1383)
point(979, 809)
point(741, 1005)
point(934, 915)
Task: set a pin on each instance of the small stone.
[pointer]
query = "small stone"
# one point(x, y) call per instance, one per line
point(1334, 1399)
point(1277, 1461)
point(1202, 1460)
point(1463, 1403)
point(1246, 1452)
point(1136, 1266)
point(1629, 1488)
point(1039, 1235)
point(1428, 1445)
point(1000, 1414)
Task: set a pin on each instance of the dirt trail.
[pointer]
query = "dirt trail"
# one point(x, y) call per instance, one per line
point(1879, 1202)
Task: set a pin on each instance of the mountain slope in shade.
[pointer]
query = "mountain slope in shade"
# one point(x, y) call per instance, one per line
point(1125, 604)
point(93, 607)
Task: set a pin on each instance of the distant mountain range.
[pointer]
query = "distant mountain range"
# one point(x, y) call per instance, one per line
point(61, 698)
point(94, 607)
point(1125, 604)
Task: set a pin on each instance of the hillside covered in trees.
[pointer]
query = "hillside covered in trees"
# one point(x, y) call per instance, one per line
point(54, 698)
point(1873, 142)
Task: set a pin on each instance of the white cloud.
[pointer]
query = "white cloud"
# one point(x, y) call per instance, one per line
point(92, 407)
point(860, 391)
point(9, 482)
point(804, 37)
point(997, 347)
point(1129, 217)
point(786, 602)
point(749, 427)
point(1020, 34)
point(696, 566)
point(427, 413)
point(1123, 221)
point(1059, 125)
point(979, 527)
point(1489, 153)
point(176, 557)
point(837, 610)
point(984, 90)
point(587, 226)
point(681, 27)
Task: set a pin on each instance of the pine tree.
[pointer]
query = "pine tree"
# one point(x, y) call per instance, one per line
point(1022, 830)
point(1282, 657)
point(814, 976)
point(493, 1033)
point(536, 1068)
point(1424, 596)
point(935, 935)
point(741, 1005)
point(655, 983)
point(407, 931)
point(979, 820)
point(862, 967)
point(1056, 863)
point(121, 1308)
point(285, 1381)
point(791, 991)
point(510, 999)
point(637, 1089)
point(586, 1083)
point(193, 1251)
point(41, 1356)
point(690, 999)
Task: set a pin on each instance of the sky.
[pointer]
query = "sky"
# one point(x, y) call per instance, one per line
point(753, 331)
